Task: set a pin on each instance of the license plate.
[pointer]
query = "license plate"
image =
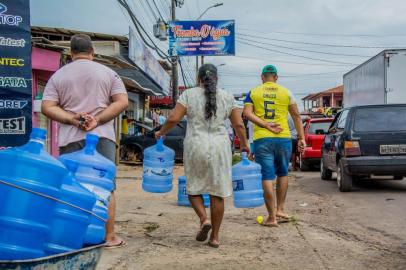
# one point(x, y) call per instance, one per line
point(393, 149)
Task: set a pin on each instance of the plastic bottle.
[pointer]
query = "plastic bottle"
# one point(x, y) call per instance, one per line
point(96, 173)
point(183, 199)
point(158, 168)
point(25, 218)
point(69, 221)
point(247, 184)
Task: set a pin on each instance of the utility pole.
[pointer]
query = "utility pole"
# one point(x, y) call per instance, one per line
point(175, 92)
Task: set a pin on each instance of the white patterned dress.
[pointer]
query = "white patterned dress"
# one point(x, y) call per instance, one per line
point(207, 147)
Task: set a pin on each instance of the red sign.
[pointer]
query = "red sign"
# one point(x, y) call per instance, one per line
point(164, 100)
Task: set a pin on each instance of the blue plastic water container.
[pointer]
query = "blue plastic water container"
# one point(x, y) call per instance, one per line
point(25, 217)
point(69, 221)
point(96, 231)
point(158, 168)
point(183, 199)
point(247, 184)
point(91, 169)
point(96, 173)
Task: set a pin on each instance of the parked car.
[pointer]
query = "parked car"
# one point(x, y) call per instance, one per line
point(315, 130)
point(132, 147)
point(364, 141)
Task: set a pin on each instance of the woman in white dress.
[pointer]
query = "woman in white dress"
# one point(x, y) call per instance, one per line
point(207, 147)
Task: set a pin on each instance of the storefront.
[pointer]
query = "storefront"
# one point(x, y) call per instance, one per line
point(51, 51)
point(44, 64)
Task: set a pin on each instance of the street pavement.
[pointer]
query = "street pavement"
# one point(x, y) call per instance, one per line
point(363, 229)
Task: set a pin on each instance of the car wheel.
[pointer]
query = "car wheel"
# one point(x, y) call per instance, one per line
point(325, 173)
point(303, 165)
point(397, 177)
point(344, 180)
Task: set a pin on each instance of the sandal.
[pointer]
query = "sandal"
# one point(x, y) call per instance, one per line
point(204, 232)
point(119, 245)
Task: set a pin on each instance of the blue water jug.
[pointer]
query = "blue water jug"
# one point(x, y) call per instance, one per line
point(24, 216)
point(96, 173)
point(183, 199)
point(69, 221)
point(92, 170)
point(96, 231)
point(247, 184)
point(158, 168)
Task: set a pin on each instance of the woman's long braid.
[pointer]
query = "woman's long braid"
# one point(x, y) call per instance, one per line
point(208, 76)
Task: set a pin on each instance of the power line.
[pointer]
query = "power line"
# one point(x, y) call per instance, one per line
point(297, 55)
point(304, 50)
point(166, 7)
point(289, 62)
point(151, 9)
point(141, 29)
point(248, 75)
point(325, 34)
point(183, 73)
point(323, 44)
point(159, 12)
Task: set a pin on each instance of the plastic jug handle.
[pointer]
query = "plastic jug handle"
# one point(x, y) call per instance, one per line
point(245, 160)
point(160, 144)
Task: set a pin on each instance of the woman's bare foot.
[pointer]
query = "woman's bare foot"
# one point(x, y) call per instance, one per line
point(283, 215)
point(213, 242)
point(270, 222)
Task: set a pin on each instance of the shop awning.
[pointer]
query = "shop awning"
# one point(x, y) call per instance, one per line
point(141, 79)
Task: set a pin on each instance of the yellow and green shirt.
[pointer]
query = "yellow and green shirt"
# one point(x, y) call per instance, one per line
point(271, 103)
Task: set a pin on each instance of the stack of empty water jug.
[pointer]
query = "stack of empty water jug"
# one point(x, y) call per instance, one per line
point(51, 206)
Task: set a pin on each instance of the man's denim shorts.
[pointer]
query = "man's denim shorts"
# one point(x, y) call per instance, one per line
point(273, 154)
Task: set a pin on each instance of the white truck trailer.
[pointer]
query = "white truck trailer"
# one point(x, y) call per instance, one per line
point(380, 80)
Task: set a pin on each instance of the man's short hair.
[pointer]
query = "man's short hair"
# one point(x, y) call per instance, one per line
point(81, 43)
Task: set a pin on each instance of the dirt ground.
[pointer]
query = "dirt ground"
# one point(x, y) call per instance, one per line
point(364, 229)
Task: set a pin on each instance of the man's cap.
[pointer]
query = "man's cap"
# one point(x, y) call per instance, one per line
point(269, 69)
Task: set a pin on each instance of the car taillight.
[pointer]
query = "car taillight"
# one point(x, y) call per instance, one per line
point(351, 148)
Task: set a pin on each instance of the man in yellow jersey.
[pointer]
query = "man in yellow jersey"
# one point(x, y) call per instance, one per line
point(268, 106)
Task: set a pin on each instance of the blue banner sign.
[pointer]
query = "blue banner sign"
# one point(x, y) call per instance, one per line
point(205, 38)
point(15, 73)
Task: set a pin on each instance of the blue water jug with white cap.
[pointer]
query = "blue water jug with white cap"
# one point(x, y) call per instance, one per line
point(247, 184)
point(97, 174)
point(93, 171)
point(158, 168)
point(183, 198)
point(96, 231)
point(27, 174)
point(68, 220)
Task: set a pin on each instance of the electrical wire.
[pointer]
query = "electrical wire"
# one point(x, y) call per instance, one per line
point(141, 29)
point(183, 73)
point(288, 62)
point(304, 50)
point(159, 12)
point(322, 44)
point(329, 35)
point(292, 54)
point(151, 9)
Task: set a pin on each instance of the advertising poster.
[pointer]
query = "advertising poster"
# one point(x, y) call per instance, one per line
point(15, 73)
point(145, 60)
point(202, 38)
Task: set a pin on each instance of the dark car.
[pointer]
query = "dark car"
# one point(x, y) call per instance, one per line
point(132, 147)
point(365, 141)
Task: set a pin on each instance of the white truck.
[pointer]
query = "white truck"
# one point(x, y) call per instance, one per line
point(380, 80)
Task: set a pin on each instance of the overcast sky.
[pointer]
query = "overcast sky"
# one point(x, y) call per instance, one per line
point(277, 25)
